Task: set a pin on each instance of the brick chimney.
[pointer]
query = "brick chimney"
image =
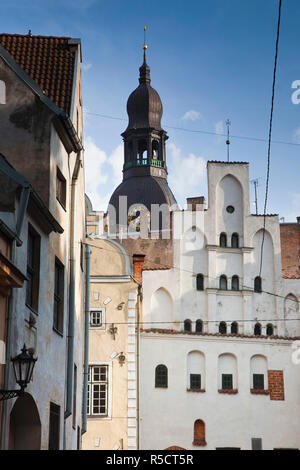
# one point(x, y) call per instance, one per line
point(196, 203)
point(138, 266)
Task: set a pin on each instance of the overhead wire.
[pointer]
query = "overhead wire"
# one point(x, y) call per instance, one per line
point(270, 135)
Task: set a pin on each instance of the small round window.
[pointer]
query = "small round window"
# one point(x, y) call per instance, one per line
point(230, 209)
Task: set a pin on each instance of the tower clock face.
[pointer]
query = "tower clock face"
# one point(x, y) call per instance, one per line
point(138, 215)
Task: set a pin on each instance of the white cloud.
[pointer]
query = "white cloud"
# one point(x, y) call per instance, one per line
point(191, 115)
point(186, 173)
point(99, 170)
point(294, 207)
point(116, 160)
point(86, 66)
point(219, 127)
point(297, 134)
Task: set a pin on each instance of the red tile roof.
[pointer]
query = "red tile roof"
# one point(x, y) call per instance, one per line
point(48, 60)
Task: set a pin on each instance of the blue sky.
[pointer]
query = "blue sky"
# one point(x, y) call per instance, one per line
point(212, 58)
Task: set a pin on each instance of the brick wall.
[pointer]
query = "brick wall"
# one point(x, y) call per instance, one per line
point(276, 384)
point(290, 249)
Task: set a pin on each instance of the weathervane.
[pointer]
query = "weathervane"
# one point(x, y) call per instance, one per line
point(228, 123)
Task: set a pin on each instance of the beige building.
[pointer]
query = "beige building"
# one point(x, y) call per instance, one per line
point(113, 344)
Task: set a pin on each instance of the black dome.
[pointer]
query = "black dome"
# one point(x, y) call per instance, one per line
point(144, 190)
point(144, 106)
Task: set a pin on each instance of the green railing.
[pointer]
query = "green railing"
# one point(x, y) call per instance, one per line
point(144, 162)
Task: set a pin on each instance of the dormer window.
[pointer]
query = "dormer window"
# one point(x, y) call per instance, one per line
point(2, 92)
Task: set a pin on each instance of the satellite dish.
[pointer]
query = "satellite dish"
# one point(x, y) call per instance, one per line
point(113, 355)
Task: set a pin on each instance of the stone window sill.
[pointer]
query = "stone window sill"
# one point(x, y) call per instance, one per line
point(196, 390)
point(256, 391)
point(228, 391)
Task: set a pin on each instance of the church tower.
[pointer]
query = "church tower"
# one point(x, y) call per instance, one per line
point(144, 170)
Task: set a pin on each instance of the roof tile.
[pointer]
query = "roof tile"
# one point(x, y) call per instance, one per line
point(48, 60)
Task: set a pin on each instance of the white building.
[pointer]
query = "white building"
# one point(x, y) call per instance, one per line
point(219, 372)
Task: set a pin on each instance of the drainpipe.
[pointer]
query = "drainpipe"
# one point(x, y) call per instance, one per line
point(71, 325)
point(86, 339)
point(139, 297)
point(9, 319)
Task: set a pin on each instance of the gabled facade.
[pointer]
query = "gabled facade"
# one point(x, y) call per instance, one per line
point(219, 348)
point(41, 138)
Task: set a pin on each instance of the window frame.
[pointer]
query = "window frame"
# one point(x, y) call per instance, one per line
point(102, 311)
point(235, 241)
point(107, 383)
point(61, 183)
point(193, 376)
point(162, 384)
point(256, 378)
point(223, 278)
point(200, 282)
point(258, 284)
point(54, 411)
point(223, 240)
point(58, 297)
point(235, 283)
point(33, 270)
point(199, 323)
point(226, 377)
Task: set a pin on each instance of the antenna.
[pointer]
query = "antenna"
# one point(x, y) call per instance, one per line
point(255, 182)
point(228, 123)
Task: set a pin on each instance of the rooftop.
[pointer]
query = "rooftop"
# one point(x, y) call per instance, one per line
point(48, 60)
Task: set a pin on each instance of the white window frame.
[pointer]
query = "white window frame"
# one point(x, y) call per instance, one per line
point(102, 311)
point(108, 415)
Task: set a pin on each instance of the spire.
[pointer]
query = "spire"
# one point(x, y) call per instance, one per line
point(144, 69)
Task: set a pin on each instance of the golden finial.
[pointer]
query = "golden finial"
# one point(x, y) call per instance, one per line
point(145, 45)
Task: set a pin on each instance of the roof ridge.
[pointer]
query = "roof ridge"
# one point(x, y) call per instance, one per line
point(35, 36)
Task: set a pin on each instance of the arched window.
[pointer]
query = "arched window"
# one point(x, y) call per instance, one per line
point(257, 329)
point(199, 433)
point(2, 92)
point(196, 371)
point(223, 328)
point(161, 376)
point(200, 282)
point(223, 282)
point(223, 239)
point(142, 149)
point(234, 328)
point(235, 283)
point(234, 240)
point(227, 372)
point(187, 325)
point(270, 329)
point(258, 372)
point(257, 284)
point(155, 150)
point(199, 326)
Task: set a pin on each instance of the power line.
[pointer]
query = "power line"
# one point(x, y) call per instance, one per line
point(201, 131)
point(270, 135)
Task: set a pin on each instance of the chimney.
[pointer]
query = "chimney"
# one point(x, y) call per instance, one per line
point(138, 266)
point(196, 203)
point(298, 220)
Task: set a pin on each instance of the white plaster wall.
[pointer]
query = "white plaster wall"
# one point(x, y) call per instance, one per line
point(168, 415)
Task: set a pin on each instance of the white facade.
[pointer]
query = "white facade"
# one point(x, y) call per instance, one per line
point(232, 417)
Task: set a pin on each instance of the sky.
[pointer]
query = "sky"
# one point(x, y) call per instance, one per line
point(209, 61)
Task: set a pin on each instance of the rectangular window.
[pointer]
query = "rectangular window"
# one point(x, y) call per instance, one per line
point(61, 188)
point(98, 390)
point(97, 318)
point(74, 396)
point(54, 425)
point(227, 382)
point(33, 268)
point(195, 381)
point(258, 381)
point(58, 303)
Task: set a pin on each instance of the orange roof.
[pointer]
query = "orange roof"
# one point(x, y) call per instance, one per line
point(48, 60)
